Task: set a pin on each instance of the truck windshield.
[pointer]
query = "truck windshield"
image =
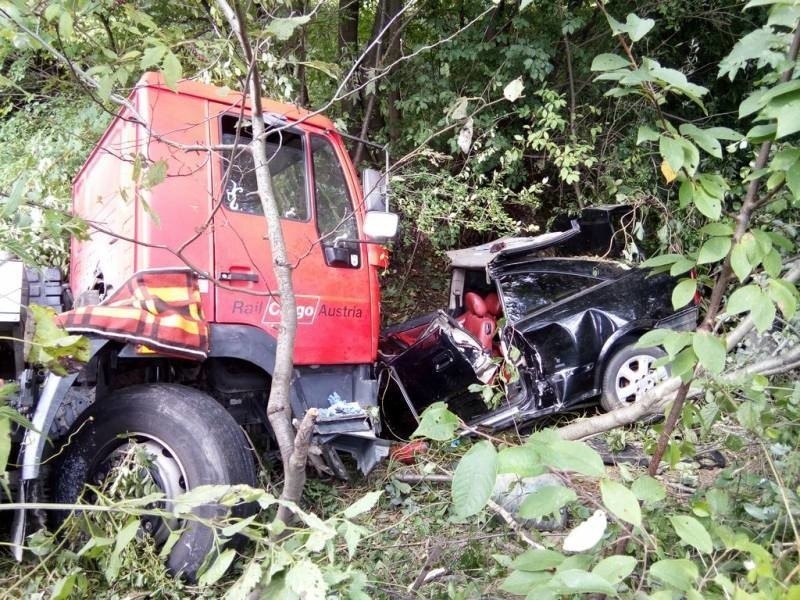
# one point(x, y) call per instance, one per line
point(287, 165)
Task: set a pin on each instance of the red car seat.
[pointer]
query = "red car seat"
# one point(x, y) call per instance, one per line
point(478, 320)
point(493, 305)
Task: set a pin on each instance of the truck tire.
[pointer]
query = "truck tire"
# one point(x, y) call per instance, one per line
point(628, 374)
point(191, 439)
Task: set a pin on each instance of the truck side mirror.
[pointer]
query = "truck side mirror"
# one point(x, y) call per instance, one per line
point(374, 184)
point(380, 226)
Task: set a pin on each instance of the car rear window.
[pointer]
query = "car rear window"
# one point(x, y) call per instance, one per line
point(524, 293)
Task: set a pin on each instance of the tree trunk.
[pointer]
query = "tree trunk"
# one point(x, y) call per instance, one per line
point(392, 54)
point(279, 411)
point(348, 44)
point(348, 29)
point(298, 9)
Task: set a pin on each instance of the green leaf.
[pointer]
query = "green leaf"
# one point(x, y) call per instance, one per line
point(437, 423)
point(786, 109)
point(739, 262)
point(577, 581)
point(671, 151)
point(237, 526)
point(621, 502)
point(717, 229)
point(653, 338)
point(124, 537)
point(724, 133)
point(352, 535)
point(473, 480)
point(685, 193)
point(692, 532)
point(566, 455)
point(155, 174)
point(609, 62)
point(306, 580)
point(793, 181)
point(172, 70)
point(684, 265)
point(64, 586)
point(679, 573)
point(283, 28)
point(714, 249)
point(782, 293)
point(743, 299)
point(614, 569)
point(763, 313)
point(648, 489)
point(710, 351)
point(520, 460)
point(635, 27)
point(218, 568)
point(645, 134)
point(683, 293)
point(691, 156)
point(661, 260)
point(707, 142)
point(546, 501)
point(152, 56)
point(762, 133)
point(710, 206)
point(753, 103)
point(248, 580)
point(538, 560)
point(362, 505)
point(65, 29)
point(520, 583)
point(785, 159)
point(5, 442)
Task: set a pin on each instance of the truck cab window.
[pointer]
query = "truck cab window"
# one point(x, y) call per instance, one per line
point(335, 215)
point(287, 165)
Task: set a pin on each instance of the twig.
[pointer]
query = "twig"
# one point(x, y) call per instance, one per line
point(514, 524)
point(433, 556)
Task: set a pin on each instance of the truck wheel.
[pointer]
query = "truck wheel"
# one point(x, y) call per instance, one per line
point(191, 440)
point(629, 374)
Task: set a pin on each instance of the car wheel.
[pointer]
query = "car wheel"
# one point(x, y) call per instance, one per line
point(629, 374)
point(190, 440)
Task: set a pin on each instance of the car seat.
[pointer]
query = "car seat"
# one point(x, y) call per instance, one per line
point(478, 320)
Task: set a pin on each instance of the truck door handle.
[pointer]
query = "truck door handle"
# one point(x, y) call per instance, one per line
point(232, 276)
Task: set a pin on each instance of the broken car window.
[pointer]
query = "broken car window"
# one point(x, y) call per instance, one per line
point(287, 166)
point(524, 293)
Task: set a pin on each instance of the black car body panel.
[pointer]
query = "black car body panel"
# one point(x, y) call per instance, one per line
point(566, 315)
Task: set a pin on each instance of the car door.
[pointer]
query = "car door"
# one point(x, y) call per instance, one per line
point(551, 318)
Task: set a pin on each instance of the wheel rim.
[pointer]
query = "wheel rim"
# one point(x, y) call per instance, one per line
point(636, 376)
point(166, 471)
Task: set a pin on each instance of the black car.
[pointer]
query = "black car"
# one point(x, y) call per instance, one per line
point(553, 308)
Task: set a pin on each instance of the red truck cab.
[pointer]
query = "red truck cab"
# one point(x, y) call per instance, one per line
point(207, 203)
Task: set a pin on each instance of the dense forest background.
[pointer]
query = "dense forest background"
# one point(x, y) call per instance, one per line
point(467, 163)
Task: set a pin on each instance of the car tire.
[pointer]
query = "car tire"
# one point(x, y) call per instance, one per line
point(192, 441)
point(628, 374)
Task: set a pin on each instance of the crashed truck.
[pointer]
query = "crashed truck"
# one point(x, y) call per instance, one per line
point(175, 289)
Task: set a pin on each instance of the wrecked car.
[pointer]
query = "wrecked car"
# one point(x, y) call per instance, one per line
point(553, 318)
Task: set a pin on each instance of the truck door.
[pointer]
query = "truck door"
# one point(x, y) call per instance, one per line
point(320, 228)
